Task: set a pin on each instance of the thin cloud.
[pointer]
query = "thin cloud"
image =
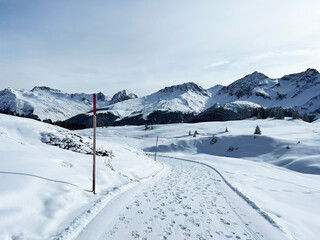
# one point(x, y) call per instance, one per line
point(217, 64)
point(294, 53)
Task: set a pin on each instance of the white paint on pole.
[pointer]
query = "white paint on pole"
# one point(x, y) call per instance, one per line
point(155, 154)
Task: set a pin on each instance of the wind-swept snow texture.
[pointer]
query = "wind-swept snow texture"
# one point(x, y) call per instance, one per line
point(45, 190)
point(276, 173)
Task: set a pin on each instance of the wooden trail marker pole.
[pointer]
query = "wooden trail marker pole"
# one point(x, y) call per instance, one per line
point(155, 154)
point(94, 144)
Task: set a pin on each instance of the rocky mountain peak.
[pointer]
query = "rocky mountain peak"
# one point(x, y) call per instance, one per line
point(44, 88)
point(255, 76)
point(307, 76)
point(122, 96)
point(185, 87)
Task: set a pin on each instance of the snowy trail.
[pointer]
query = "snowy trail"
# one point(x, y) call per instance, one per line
point(188, 201)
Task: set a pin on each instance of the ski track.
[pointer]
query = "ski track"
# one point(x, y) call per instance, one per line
point(188, 203)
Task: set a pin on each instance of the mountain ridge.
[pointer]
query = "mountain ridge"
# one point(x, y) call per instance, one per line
point(297, 91)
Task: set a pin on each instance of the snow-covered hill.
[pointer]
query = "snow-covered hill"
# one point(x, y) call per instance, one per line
point(48, 103)
point(278, 171)
point(46, 178)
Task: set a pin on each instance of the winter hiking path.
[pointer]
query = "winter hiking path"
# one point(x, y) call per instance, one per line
point(187, 201)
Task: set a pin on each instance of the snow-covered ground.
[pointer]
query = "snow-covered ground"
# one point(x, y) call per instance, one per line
point(45, 190)
point(276, 172)
point(239, 187)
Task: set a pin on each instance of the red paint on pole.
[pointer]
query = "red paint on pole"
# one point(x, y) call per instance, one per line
point(94, 104)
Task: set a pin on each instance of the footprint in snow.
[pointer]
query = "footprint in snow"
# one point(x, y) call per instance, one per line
point(148, 230)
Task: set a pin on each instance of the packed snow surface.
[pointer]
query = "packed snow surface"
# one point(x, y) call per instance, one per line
point(276, 173)
point(217, 185)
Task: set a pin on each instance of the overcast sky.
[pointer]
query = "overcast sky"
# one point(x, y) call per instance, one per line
point(143, 46)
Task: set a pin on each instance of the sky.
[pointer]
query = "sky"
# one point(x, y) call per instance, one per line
point(143, 45)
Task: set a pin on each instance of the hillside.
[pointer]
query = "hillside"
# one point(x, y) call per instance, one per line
point(47, 103)
point(46, 178)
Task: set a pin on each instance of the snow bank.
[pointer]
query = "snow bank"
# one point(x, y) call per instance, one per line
point(44, 188)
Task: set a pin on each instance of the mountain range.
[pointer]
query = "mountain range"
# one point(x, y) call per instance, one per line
point(178, 103)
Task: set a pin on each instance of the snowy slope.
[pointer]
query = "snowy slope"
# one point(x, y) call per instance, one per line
point(288, 91)
point(45, 190)
point(186, 98)
point(282, 182)
point(47, 103)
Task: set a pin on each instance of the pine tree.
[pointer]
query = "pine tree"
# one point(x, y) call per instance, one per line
point(190, 133)
point(257, 131)
point(259, 115)
point(280, 114)
point(272, 114)
point(226, 130)
point(296, 115)
point(305, 117)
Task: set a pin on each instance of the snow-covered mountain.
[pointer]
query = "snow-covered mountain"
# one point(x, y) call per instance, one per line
point(239, 100)
point(292, 90)
point(122, 96)
point(48, 103)
point(300, 91)
point(186, 98)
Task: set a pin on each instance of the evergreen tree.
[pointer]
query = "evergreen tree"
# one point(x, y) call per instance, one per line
point(226, 130)
point(305, 117)
point(257, 131)
point(296, 115)
point(272, 114)
point(190, 133)
point(280, 114)
point(259, 115)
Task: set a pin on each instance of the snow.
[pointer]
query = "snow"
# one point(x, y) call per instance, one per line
point(47, 103)
point(282, 183)
point(45, 191)
point(242, 186)
point(300, 91)
point(189, 201)
point(186, 98)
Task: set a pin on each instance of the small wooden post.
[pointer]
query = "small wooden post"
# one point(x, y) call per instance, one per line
point(155, 154)
point(94, 145)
